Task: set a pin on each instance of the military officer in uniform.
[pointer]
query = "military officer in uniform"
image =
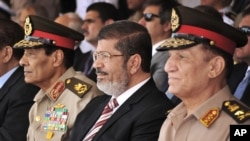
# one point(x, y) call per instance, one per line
point(47, 61)
point(201, 58)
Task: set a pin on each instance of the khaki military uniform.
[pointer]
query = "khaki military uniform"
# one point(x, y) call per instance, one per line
point(54, 112)
point(209, 122)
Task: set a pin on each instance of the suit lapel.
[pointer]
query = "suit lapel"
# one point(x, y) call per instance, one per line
point(92, 119)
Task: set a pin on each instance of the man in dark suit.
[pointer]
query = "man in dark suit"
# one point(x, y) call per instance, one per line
point(122, 60)
point(242, 55)
point(156, 18)
point(16, 97)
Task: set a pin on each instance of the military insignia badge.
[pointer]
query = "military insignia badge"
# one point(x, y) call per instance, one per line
point(210, 117)
point(77, 86)
point(55, 119)
point(27, 27)
point(237, 111)
point(57, 90)
point(175, 20)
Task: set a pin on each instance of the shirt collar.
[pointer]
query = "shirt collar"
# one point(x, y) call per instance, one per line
point(155, 46)
point(128, 93)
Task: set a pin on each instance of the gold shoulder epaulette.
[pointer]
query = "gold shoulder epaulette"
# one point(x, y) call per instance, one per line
point(77, 86)
point(237, 111)
point(210, 117)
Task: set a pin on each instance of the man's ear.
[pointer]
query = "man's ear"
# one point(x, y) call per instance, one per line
point(167, 27)
point(109, 21)
point(216, 66)
point(58, 57)
point(134, 63)
point(6, 54)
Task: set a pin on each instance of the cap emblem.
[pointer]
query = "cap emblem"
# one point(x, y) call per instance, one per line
point(27, 26)
point(175, 20)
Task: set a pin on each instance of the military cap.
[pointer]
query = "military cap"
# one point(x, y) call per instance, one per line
point(191, 27)
point(41, 31)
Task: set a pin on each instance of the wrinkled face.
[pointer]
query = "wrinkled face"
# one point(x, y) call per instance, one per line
point(243, 53)
point(38, 67)
point(112, 76)
point(187, 71)
point(92, 24)
point(151, 21)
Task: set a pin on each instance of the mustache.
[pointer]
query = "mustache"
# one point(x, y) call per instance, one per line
point(100, 71)
point(84, 31)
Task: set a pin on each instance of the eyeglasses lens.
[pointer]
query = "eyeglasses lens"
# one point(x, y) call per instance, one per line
point(245, 30)
point(149, 16)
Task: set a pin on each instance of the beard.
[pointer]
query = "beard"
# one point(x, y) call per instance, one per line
point(114, 88)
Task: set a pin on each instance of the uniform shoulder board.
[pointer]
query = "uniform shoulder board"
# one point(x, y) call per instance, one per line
point(236, 110)
point(77, 86)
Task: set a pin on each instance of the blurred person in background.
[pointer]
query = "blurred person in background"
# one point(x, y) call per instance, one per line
point(224, 7)
point(97, 15)
point(38, 10)
point(156, 18)
point(241, 71)
point(136, 6)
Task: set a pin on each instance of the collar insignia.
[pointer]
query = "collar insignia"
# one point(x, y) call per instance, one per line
point(210, 117)
point(57, 90)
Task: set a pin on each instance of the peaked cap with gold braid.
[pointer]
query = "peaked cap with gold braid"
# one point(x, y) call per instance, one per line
point(40, 31)
point(191, 27)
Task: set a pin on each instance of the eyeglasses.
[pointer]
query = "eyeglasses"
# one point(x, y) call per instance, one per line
point(245, 30)
point(104, 56)
point(149, 16)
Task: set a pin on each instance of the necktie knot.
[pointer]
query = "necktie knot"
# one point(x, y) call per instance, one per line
point(113, 103)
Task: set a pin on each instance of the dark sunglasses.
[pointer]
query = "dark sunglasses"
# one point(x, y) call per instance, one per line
point(245, 30)
point(149, 16)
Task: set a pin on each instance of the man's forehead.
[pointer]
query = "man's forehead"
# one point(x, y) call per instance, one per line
point(92, 15)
